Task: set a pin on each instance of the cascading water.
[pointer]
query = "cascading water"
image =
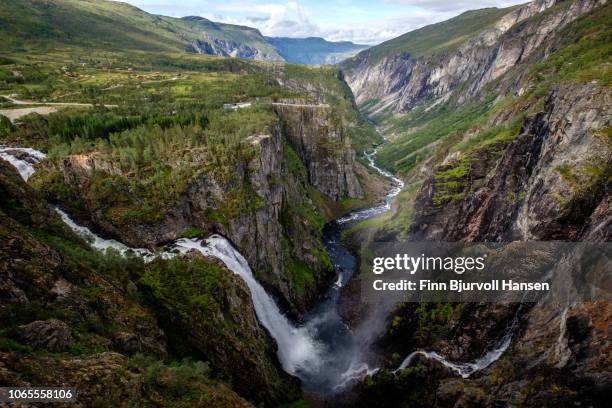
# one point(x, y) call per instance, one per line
point(22, 158)
point(297, 350)
point(100, 243)
point(322, 352)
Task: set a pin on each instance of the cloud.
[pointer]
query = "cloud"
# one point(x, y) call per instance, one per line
point(334, 20)
point(293, 20)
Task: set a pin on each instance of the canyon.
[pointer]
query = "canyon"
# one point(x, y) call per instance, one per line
point(180, 252)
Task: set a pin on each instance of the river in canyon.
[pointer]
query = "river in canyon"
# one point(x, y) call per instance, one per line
point(322, 351)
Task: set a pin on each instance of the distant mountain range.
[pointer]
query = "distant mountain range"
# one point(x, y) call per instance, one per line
point(112, 25)
point(314, 50)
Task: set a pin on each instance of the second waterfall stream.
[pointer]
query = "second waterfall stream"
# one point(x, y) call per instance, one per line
point(323, 352)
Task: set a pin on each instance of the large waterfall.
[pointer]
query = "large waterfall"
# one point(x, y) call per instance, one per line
point(297, 350)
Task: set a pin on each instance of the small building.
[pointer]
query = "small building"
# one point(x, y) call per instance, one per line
point(235, 106)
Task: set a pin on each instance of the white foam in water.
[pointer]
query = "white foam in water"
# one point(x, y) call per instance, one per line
point(103, 244)
point(467, 369)
point(25, 166)
point(462, 369)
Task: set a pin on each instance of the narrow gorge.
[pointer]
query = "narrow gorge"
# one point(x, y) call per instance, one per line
point(188, 220)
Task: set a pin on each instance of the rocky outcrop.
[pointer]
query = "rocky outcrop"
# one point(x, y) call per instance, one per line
point(321, 141)
point(400, 82)
point(53, 335)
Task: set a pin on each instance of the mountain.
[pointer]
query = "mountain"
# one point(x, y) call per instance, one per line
point(314, 50)
point(423, 73)
point(109, 25)
point(502, 132)
point(229, 40)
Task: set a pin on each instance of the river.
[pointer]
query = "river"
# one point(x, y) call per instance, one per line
point(323, 352)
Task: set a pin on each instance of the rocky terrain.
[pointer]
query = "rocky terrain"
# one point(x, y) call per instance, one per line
point(550, 183)
point(498, 121)
point(76, 318)
point(533, 165)
point(397, 83)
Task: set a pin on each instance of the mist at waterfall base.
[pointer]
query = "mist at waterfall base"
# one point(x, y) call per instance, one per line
point(323, 352)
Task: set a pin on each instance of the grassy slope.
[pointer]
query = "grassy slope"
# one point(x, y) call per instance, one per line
point(26, 25)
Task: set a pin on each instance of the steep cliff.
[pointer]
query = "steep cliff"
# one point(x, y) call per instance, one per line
point(264, 199)
point(75, 317)
point(544, 185)
point(517, 149)
point(317, 135)
point(396, 83)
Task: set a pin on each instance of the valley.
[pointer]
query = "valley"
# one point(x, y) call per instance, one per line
point(186, 217)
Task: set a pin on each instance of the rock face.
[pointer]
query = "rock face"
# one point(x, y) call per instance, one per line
point(400, 82)
point(320, 140)
point(53, 335)
point(307, 153)
point(542, 186)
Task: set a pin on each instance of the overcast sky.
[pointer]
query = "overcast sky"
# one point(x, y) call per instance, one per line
point(361, 21)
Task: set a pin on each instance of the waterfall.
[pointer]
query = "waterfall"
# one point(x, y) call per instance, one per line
point(22, 158)
point(102, 244)
point(462, 369)
point(297, 350)
point(467, 369)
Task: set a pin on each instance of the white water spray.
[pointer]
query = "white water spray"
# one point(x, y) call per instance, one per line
point(296, 348)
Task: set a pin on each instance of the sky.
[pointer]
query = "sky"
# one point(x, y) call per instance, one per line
point(360, 21)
